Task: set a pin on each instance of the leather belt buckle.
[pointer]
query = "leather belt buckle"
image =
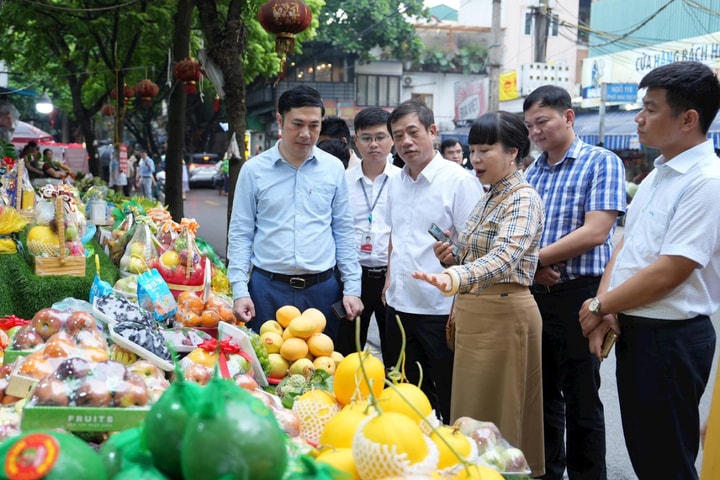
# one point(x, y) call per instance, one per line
point(297, 282)
point(375, 272)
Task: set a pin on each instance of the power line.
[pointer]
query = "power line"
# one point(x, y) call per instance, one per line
point(88, 10)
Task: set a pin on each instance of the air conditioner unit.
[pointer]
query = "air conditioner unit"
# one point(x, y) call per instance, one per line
point(407, 81)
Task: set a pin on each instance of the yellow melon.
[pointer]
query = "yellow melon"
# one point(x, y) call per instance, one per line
point(42, 240)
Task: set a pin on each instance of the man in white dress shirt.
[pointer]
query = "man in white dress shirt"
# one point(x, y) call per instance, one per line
point(367, 188)
point(428, 190)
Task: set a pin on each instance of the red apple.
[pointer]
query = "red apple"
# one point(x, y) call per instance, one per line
point(79, 321)
point(145, 369)
point(109, 371)
point(51, 392)
point(131, 393)
point(27, 339)
point(93, 393)
point(47, 322)
point(198, 373)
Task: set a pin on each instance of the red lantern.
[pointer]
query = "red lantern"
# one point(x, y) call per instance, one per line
point(108, 110)
point(188, 70)
point(285, 19)
point(128, 93)
point(145, 90)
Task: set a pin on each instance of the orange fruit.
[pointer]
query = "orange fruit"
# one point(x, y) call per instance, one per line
point(196, 306)
point(209, 318)
point(189, 319)
point(185, 297)
point(227, 315)
point(94, 354)
point(286, 313)
point(216, 302)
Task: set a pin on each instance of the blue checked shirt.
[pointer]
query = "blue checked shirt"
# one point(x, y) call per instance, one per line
point(588, 178)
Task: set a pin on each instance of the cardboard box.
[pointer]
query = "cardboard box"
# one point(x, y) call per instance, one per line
point(83, 419)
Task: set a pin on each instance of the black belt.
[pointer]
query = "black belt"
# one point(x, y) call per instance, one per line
point(297, 281)
point(579, 282)
point(635, 321)
point(374, 272)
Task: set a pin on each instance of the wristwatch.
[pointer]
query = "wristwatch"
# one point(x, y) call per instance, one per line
point(594, 307)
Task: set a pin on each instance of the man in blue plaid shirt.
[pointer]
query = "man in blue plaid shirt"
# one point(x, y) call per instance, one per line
point(583, 189)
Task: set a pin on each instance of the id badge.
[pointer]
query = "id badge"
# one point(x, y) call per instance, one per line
point(367, 242)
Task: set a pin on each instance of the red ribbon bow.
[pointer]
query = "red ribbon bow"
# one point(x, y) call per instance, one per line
point(11, 321)
point(226, 346)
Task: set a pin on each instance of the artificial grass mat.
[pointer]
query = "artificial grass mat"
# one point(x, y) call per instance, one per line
point(23, 293)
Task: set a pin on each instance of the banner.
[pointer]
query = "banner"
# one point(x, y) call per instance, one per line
point(470, 99)
point(508, 86)
point(123, 157)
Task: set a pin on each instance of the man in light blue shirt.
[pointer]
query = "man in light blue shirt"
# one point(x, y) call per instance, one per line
point(291, 237)
point(147, 171)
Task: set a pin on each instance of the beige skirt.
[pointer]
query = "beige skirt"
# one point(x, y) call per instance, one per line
point(497, 369)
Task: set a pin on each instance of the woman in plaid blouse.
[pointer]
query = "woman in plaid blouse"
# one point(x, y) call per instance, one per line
point(497, 367)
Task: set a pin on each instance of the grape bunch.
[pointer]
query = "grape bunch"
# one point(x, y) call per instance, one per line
point(260, 350)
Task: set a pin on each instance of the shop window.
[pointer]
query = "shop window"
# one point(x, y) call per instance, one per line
point(427, 98)
point(377, 90)
point(318, 70)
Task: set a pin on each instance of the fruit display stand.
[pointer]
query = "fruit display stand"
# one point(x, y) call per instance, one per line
point(23, 293)
point(62, 264)
point(225, 330)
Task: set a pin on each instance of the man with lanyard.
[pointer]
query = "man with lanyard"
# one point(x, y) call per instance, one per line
point(291, 223)
point(663, 280)
point(368, 201)
point(583, 190)
point(147, 170)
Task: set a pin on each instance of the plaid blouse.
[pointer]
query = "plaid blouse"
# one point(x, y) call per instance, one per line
point(505, 247)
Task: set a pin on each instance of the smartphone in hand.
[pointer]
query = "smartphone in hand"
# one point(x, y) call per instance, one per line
point(608, 343)
point(440, 236)
point(339, 310)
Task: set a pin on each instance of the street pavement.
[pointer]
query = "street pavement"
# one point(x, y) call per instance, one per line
point(209, 209)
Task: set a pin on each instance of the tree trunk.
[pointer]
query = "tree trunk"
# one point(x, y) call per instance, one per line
point(225, 48)
point(176, 115)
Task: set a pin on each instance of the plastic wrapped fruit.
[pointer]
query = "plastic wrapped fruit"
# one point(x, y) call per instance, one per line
point(76, 382)
point(141, 250)
point(182, 266)
point(193, 312)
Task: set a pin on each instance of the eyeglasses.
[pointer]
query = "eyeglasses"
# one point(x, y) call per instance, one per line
point(380, 137)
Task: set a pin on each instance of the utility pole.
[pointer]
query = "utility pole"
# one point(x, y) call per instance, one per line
point(495, 52)
point(541, 14)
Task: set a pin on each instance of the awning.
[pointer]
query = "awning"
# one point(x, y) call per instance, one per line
point(24, 133)
point(621, 130)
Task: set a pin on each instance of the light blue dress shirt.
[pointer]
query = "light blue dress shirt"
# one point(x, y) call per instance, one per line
point(291, 220)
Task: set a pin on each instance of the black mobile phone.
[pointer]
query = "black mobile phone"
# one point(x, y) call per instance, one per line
point(339, 310)
point(440, 236)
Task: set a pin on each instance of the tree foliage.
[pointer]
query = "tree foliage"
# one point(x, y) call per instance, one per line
point(360, 26)
point(468, 60)
point(84, 48)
